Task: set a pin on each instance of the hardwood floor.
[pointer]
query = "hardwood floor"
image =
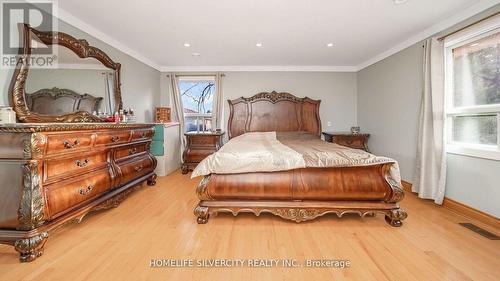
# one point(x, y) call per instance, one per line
point(158, 223)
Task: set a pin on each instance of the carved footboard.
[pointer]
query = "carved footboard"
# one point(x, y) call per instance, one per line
point(304, 194)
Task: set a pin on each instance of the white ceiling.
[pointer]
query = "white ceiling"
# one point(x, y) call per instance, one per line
point(294, 33)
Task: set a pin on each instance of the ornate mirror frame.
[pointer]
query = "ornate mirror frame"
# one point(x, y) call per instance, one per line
point(80, 47)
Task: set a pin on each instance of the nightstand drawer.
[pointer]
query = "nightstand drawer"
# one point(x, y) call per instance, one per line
point(349, 141)
point(196, 155)
point(203, 141)
point(358, 141)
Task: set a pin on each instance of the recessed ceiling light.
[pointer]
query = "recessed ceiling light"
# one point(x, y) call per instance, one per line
point(400, 1)
point(329, 45)
point(258, 44)
point(196, 54)
point(187, 45)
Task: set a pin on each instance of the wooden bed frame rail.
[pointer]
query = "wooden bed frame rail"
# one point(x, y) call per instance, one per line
point(303, 194)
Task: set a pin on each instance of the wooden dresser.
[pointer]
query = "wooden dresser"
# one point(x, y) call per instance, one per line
point(358, 141)
point(199, 145)
point(52, 174)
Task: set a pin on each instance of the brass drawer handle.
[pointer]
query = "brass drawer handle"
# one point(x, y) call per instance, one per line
point(69, 145)
point(132, 151)
point(115, 139)
point(139, 168)
point(83, 163)
point(143, 134)
point(85, 191)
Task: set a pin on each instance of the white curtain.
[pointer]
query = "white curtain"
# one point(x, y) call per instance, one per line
point(178, 109)
point(109, 94)
point(218, 102)
point(430, 170)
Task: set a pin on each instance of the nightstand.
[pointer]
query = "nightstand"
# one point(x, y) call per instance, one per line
point(199, 145)
point(358, 141)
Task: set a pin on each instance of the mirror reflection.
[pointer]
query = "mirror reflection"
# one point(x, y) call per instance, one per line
point(76, 84)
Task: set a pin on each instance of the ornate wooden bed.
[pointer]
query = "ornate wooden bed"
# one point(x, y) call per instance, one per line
point(299, 194)
point(57, 101)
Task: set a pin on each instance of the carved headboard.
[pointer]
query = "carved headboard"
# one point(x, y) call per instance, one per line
point(57, 101)
point(266, 112)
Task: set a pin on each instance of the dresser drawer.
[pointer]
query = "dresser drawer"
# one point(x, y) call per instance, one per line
point(63, 196)
point(135, 168)
point(69, 167)
point(62, 143)
point(144, 134)
point(112, 137)
point(124, 152)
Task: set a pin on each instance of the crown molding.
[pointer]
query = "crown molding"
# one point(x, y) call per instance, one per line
point(284, 68)
point(434, 29)
point(94, 32)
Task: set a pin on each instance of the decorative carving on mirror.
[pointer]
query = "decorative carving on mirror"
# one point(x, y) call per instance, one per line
point(81, 48)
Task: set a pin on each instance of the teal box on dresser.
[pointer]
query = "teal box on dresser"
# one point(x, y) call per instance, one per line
point(157, 145)
point(166, 146)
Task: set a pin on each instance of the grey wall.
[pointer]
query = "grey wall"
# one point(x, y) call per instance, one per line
point(5, 77)
point(474, 182)
point(337, 92)
point(388, 105)
point(389, 94)
point(140, 83)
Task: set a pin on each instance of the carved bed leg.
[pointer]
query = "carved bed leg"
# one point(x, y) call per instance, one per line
point(395, 217)
point(151, 181)
point(202, 213)
point(184, 169)
point(31, 248)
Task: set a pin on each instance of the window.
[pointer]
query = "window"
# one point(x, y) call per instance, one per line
point(197, 96)
point(473, 94)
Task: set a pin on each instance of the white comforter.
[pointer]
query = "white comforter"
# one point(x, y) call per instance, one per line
point(251, 152)
point(263, 152)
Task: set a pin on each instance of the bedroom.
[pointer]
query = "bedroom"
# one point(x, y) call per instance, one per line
point(250, 140)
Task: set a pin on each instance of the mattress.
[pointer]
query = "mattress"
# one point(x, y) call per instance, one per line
point(282, 151)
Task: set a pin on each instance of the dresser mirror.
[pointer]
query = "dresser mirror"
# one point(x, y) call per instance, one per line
point(82, 82)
